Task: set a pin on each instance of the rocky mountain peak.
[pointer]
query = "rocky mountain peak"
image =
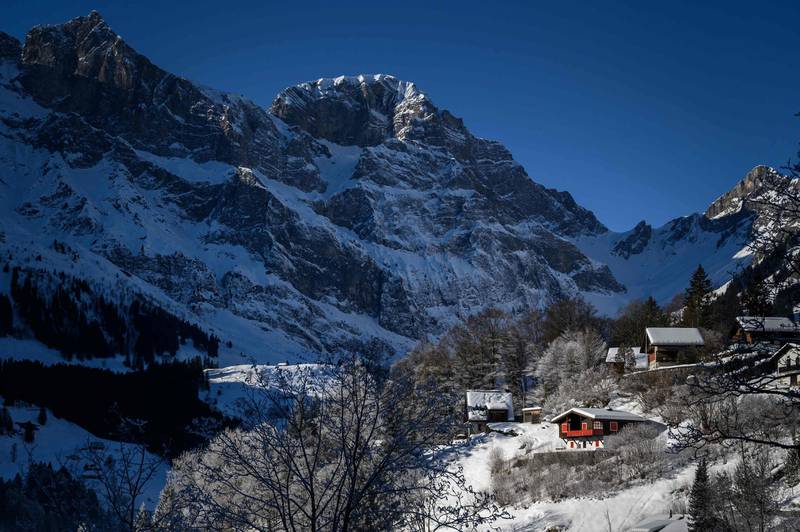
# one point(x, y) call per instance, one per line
point(86, 47)
point(750, 185)
point(368, 110)
point(362, 110)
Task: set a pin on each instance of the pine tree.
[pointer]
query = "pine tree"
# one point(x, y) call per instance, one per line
point(755, 298)
point(6, 315)
point(697, 300)
point(653, 315)
point(42, 418)
point(701, 516)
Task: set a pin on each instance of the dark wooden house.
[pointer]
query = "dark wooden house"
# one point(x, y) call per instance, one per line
point(669, 346)
point(586, 428)
point(776, 330)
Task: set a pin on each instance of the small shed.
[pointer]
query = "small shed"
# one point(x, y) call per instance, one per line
point(488, 406)
point(617, 363)
point(666, 345)
point(532, 414)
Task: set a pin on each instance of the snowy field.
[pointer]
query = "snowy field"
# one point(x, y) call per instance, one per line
point(623, 509)
point(232, 386)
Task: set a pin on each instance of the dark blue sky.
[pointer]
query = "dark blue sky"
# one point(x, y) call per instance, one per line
point(641, 111)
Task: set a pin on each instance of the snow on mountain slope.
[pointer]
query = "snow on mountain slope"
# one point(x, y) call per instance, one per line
point(659, 262)
point(357, 212)
point(353, 214)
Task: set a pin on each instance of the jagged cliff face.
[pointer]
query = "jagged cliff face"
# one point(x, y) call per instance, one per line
point(658, 261)
point(352, 210)
point(752, 185)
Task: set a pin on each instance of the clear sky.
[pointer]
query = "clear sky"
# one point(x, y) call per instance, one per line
point(641, 111)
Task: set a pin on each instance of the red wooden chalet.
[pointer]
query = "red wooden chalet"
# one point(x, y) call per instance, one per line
point(583, 428)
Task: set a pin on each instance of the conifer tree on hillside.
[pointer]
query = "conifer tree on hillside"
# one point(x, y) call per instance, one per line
point(629, 328)
point(6, 315)
point(700, 504)
point(755, 298)
point(6, 422)
point(42, 417)
point(697, 302)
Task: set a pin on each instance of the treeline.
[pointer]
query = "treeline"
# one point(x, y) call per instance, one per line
point(497, 350)
point(64, 313)
point(556, 356)
point(51, 500)
point(158, 406)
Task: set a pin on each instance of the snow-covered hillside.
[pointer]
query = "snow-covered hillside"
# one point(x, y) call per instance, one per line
point(57, 442)
point(623, 509)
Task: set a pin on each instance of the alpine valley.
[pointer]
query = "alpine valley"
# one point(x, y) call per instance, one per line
point(352, 212)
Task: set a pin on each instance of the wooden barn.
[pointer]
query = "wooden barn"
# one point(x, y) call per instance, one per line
point(585, 428)
point(668, 346)
point(488, 406)
point(775, 330)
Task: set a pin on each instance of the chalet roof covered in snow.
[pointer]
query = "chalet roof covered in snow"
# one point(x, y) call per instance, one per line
point(600, 413)
point(479, 402)
point(639, 355)
point(674, 336)
point(614, 351)
point(767, 324)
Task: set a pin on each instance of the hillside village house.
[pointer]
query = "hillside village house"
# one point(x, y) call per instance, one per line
point(585, 428)
point(666, 346)
point(615, 361)
point(785, 364)
point(765, 329)
point(488, 406)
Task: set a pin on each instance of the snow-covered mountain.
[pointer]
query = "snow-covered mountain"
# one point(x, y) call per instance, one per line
point(353, 211)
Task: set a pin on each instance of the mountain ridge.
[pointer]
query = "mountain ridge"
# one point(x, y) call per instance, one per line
point(354, 212)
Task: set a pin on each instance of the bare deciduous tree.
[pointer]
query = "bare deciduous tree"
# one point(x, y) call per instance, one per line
point(330, 447)
point(121, 474)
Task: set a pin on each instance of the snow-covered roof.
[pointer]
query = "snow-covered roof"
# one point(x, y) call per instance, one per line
point(674, 336)
point(479, 402)
point(638, 354)
point(767, 324)
point(787, 349)
point(614, 351)
point(600, 413)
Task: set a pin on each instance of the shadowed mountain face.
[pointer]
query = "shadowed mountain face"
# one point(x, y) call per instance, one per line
point(353, 211)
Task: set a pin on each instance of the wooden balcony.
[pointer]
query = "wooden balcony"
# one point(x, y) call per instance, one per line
point(581, 433)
